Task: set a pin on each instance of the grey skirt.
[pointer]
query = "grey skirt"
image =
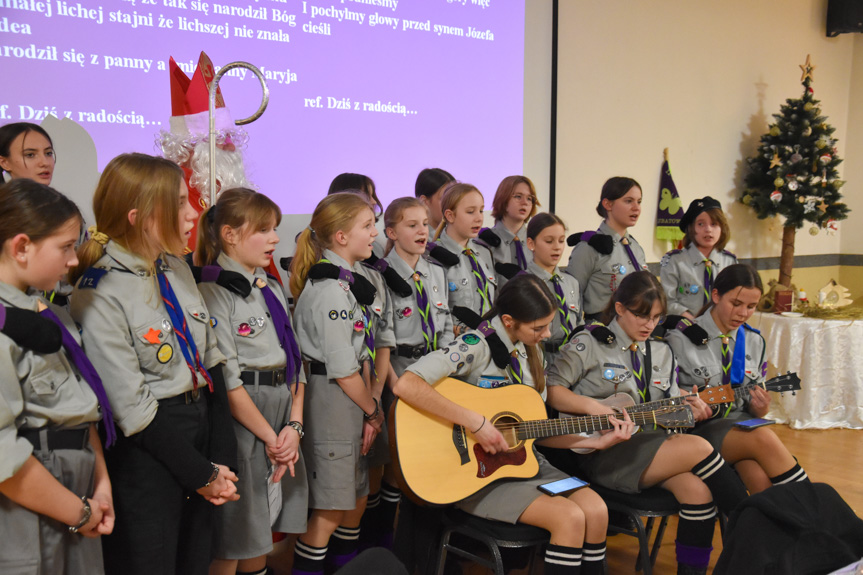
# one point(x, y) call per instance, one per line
point(32, 544)
point(507, 499)
point(621, 466)
point(245, 527)
point(715, 430)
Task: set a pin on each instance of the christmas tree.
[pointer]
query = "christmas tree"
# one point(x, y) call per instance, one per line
point(794, 173)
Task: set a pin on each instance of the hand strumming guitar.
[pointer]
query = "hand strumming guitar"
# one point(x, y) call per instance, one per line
point(488, 437)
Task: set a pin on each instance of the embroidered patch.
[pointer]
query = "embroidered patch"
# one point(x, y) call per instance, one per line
point(213, 321)
point(91, 278)
point(470, 339)
point(153, 335)
point(460, 365)
point(454, 357)
point(462, 347)
point(344, 314)
point(334, 314)
point(579, 346)
point(469, 358)
point(452, 286)
point(165, 353)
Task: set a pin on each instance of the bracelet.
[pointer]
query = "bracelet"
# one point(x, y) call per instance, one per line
point(375, 413)
point(213, 476)
point(480, 425)
point(298, 427)
point(86, 513)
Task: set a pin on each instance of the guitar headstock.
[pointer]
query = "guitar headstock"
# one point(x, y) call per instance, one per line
point(780, 383)
point(717, 395)
point(675, 417)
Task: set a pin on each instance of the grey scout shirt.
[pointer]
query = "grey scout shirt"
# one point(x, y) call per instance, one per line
point(468, 358)
point(701, 365)
point(571, 295)
point(506, 252)
point(129, 337)
point(682, 276)
point(37, 390)
point(599, 275)
point(599, 370)
point(329, 323)
point(243, 326)
point(407, 322)
point(461, 282)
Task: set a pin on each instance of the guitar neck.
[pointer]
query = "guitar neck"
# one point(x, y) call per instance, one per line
point(541, 428)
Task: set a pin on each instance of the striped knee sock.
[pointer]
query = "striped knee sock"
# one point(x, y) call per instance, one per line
point(371, 522)
point(722, 481)
point(695, 534)
point(560, 560)
point(263, 571)
point(593, 559)
point(391, 496)
point(793, 475)
point(343, 545)
point(308, 560)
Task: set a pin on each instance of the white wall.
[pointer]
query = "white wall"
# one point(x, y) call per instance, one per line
point(703, 79)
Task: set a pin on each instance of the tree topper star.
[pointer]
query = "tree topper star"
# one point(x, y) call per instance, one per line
point(807, 68)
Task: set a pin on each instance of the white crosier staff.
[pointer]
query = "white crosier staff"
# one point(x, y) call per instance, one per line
point(214, 86)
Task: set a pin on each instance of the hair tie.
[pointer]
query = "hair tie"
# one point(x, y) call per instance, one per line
point(97, 236)
point(311, 229)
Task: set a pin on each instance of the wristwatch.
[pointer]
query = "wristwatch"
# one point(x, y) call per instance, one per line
point(298, 426)
point(86, 513)
point(213, 476)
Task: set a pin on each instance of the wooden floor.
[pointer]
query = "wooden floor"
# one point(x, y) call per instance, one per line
point(833, 456)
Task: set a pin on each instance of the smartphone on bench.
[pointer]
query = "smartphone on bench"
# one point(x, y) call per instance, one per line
point(562, 486)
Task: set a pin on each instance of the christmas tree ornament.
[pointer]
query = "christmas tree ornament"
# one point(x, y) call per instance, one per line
point(813, 231)
point(832, 227)
point(775, 161)
point(796, 157)
point(774, 131)
point(825, 159)
point(807, 132)
point(808, 106)
point(776, 197)
point(801, 199)
point(809, 207)
point(793, 185)
point(746, 199)
point(778, 182)
point(823, 207)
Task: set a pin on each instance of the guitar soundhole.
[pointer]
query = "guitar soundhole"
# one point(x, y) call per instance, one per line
point(506, 423)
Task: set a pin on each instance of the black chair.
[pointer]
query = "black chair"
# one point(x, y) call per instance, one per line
point(492, 534)
point(653, 503)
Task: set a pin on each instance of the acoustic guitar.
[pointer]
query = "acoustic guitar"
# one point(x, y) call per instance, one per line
point(440, 463)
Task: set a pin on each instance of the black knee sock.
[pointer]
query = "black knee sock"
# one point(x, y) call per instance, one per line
point(371, 521)
point(263, 571)
point(593, 559)
point(560, 560)
point(695, 534)
point(722, 481)
point(343, 546)
point(795, 474)
point(390, 498)
point(308, 559)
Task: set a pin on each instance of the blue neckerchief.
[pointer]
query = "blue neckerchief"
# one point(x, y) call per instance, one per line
point(738, 361)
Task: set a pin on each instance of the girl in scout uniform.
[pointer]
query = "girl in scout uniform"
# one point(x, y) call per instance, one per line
point(364, 185)
point(470, 280)
point(146, 325)
point(54, 487)
point(519, 320)
point(546, 239)
point(264, 377)
point(514, 203)
point(719, 348)
point(428, 189)
point(602, 259)
point(603, 361)
point(687, 275)
point(334, 325)
point(420, 317)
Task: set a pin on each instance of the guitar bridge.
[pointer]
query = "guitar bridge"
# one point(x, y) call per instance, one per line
point(459, 440)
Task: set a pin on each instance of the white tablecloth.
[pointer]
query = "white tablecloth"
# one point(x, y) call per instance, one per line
point(828, 358)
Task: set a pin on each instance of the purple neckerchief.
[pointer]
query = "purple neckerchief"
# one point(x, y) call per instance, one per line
point(426, 318)
point(86, 369)
point(2, 316)
point(708, 279)
point(210, 273)
point(381, 265)
point(485, 329)
point(519, 254)
point(282, 323)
